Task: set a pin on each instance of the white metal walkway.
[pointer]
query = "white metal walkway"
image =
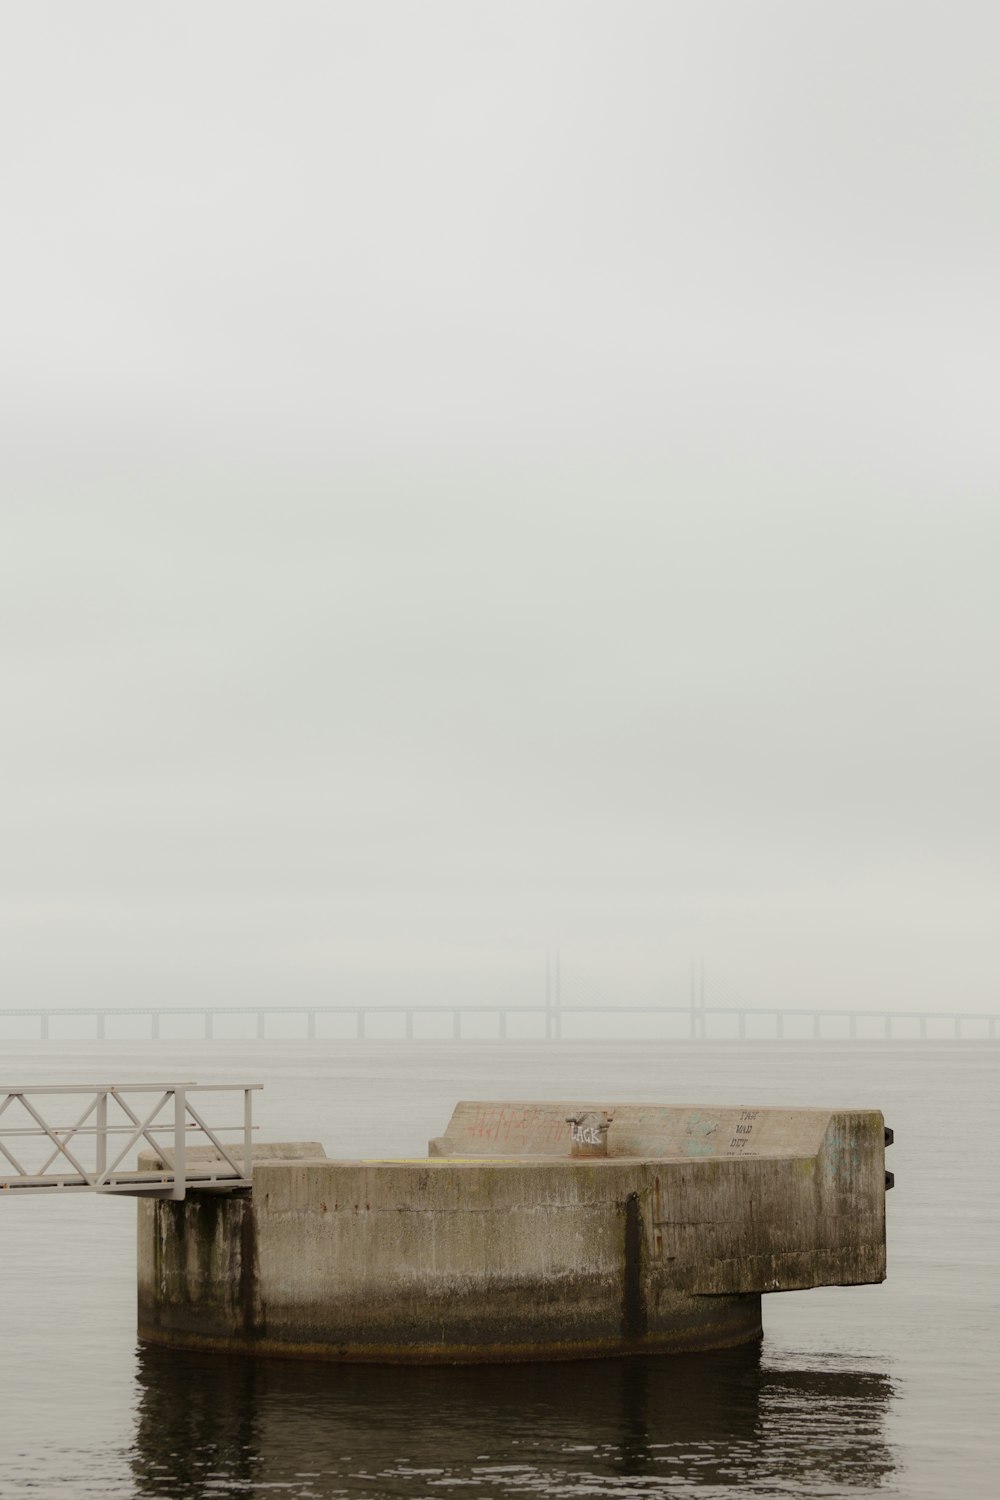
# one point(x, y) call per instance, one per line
point(83, 1156)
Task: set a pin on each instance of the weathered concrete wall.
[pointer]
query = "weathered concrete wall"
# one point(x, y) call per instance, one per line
point(778, 1223)
point(530, 1128)
point(510, 1128)
point(515, 1258)
point(197, 1262)
point(445, 1261)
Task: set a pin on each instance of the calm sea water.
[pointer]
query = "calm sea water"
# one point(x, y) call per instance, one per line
point(855, 1391)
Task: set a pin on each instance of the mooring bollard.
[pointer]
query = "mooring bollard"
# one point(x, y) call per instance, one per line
point(589, 1133)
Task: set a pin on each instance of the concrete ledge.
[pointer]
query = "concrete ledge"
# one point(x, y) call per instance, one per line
point(261, 1151)
point(493, 1128)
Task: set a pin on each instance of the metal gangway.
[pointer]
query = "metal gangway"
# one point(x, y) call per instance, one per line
point(83, 1156)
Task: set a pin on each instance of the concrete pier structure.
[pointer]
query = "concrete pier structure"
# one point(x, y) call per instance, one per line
point(504, 1245)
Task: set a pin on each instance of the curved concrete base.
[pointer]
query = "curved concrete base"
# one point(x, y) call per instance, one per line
point(451, 1265)
point(737, 1327)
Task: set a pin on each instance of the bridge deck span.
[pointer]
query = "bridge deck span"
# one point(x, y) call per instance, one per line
point(551, 1021)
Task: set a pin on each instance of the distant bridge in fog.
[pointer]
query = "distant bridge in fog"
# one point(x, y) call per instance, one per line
point(551, 1021)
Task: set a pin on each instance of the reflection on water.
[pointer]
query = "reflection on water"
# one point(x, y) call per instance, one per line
point(706, 1423)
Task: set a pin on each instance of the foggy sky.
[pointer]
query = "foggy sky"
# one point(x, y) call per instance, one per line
point(489, 478)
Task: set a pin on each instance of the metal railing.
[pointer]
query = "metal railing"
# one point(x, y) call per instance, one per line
point(83, 1150)
point(716, 1022)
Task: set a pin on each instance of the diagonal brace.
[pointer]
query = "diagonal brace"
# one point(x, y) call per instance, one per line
point(70, 1134)
point(142, 1129)
point(247, 1166)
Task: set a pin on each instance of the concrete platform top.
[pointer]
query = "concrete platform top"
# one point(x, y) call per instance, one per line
point(263, 1151)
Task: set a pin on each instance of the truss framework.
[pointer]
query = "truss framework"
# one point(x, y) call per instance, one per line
point(88, 1156)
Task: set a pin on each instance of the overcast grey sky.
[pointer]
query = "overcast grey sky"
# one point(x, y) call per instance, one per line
point(481, 478)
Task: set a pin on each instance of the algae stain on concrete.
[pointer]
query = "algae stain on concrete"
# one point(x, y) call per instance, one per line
point(635, 1320)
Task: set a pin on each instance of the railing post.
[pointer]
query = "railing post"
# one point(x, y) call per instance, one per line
point(248, 1133)
point(180, 1142)
point(101, 1138)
